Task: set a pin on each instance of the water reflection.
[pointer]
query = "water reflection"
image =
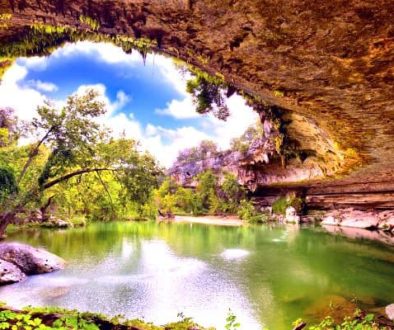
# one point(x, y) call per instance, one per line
point(266, 275)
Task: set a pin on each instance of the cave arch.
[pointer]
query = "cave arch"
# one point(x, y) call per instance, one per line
point(329, 65)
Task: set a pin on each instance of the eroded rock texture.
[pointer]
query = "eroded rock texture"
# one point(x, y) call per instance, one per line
point(30, 260)
point(328, 63)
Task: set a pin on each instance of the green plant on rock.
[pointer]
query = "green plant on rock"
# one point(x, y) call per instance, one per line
point(359, 321)
point(208, 93)
point(280, 205)
point(42, 39)
point(90, 21)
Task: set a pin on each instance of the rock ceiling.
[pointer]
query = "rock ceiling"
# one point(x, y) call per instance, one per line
point(328, 63)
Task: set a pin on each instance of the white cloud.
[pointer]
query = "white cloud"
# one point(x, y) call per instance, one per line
point(23, 99)
point(241, 117)
point(43, 86)
point(121, 97)
point(35, 62)
point(105, 52)
point(180, 109)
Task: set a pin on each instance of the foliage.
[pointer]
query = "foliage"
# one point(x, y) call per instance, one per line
point(231, 321)
point(205, 190)
point(74, 168)
point(232, 193)
point(282, 203)
point(359, 321)
point(251, 134)
point(208, 93)
point(209, 196)
point(248, 212)
point(204, 150)
point(53, 318)
point(8, 184)
point(89, 21)
point(42, 39)
point(9, 129)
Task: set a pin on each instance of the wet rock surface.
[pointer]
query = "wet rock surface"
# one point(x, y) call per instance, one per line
point(364, 219)
point(30, 260)
point(359, 233)
point(9, 273)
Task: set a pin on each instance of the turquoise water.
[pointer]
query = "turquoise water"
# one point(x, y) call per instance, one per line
point(267, 276)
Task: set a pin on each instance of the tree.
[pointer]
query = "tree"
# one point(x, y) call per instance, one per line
point(206, 188)
point(251, 134)
point(9, 129)
point(233, 193)
point(73, 145)
point(121, 193)
point(204, 150)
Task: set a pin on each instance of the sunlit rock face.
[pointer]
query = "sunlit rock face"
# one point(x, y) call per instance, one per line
point(329, 64)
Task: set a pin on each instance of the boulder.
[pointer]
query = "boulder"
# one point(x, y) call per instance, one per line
point(389, 310)
point(330, 221)
point(56, 223)
point(360, 219)
point(291, 215)
point(29, 259)
point(9, 273)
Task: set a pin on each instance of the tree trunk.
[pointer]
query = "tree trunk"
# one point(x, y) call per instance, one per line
point(44, 209)
point(5, 220)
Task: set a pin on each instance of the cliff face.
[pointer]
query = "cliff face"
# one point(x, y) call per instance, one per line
point(329, 64)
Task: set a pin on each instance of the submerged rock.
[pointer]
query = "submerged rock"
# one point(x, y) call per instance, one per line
point(335, 306)
point(9, 273)
point(30, 260)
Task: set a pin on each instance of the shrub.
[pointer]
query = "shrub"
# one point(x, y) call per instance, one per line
point(282, 203)
point(359, 321)
point(247, 212)
point(233, 193)
point(8, 183)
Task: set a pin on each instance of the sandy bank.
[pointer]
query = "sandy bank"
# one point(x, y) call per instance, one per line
point(212, 220)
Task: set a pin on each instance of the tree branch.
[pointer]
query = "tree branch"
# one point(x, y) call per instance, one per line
point(72, 174)
point(107, 191)
point(33, 154)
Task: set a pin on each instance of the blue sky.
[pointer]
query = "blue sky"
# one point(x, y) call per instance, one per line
point(146, 102)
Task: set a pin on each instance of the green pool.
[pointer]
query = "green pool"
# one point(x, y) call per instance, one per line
point(267, 276)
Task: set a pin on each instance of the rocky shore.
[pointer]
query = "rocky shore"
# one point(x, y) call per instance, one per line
point(17, 261)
